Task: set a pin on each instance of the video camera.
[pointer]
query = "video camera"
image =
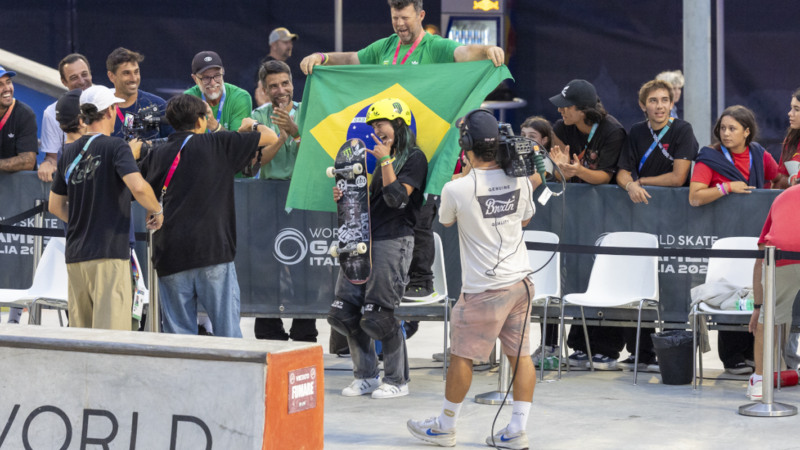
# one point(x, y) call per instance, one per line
point(519, 156)
point(145, 121)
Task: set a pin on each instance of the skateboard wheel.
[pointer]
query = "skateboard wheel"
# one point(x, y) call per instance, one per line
point(361, 248)
point(330, 173)
point(335, 251)
point(357, 169)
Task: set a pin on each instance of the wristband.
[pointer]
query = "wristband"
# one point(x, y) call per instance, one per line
point(728, 188)
point(756, 306)
point(384, 159)
point(629, 183)
point(719, 188)
point(324, 58)
point(219, 126)
point(160, 212)
point(387, 162)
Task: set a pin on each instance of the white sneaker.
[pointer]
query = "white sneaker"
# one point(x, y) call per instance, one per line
point(390, 391)
point(516, 441)
point(430, 431)
point(754, 390)
point(549, 350)
point(361, 387)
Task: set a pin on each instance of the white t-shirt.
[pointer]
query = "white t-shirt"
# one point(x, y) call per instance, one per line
point(52, 136)
point(489, 216)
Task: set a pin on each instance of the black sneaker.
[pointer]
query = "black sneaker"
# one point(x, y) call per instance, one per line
point(416, 293)
point(739, 369)
point(201, 331)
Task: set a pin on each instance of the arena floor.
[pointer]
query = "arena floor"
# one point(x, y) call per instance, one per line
point(584, 410)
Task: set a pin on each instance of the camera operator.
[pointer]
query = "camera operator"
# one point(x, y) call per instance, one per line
point(194, 251)
point(491, 209)
point(123, 71)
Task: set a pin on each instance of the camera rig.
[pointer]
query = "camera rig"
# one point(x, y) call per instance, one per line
point(519, 156)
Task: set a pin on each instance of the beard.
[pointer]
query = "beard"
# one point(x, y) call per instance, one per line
point(214, 95)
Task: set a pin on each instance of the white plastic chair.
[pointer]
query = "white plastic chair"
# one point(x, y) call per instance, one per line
point(546, 282)
point(619, 281)
point(49, 282)
point(733, 270)
point(439, 276)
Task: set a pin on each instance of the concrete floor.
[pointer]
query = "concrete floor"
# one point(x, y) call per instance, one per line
point(583, 410)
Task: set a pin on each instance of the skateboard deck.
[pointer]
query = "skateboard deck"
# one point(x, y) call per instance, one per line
point(354, 248)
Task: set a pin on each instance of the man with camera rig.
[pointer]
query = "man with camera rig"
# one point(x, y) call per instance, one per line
point(123, 71)
point(491, 209)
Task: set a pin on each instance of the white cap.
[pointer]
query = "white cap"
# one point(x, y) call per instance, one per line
point(99, 96)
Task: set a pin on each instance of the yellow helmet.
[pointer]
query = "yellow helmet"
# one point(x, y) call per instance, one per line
point(389, 109)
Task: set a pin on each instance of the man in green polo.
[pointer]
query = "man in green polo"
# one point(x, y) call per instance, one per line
point(410, 45)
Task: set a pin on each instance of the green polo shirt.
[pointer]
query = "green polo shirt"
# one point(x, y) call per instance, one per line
point(282, 165)
point(432, 49)
point(237, 106)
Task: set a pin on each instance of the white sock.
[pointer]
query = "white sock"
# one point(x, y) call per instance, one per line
point(14, 314)
point(519, 417)
point(205, 322)
point(756, 378)
point(449, 415)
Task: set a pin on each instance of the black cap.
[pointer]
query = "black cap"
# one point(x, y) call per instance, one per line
point(481, 125)
point(578, 93)
point(204, 61)
point(68, 106)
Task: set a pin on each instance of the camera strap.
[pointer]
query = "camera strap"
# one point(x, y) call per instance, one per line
point(172, 169)
point(656, 141)
point(79, 158)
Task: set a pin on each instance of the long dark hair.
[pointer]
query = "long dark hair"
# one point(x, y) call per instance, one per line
point(594, 114)
point(792, 138)
point(404, 143)
point(746, 119)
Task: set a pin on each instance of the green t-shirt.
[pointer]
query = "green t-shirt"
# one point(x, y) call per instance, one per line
point(432, 49)
point(282, 165)
point(237, 106)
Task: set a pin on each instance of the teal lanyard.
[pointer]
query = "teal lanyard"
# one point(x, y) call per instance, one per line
point(79, 158)
point(591, 135)
point(656, 141)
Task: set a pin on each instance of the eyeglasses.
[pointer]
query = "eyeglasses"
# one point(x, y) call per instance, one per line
point(207, 80)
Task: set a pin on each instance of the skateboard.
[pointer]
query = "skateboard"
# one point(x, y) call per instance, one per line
point(354, 248)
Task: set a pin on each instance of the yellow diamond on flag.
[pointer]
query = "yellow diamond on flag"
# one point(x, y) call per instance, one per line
point(431, 128)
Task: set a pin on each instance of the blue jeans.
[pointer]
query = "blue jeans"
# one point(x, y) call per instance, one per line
point(214, 287)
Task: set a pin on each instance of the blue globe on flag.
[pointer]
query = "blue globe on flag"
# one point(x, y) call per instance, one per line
point(360, 130)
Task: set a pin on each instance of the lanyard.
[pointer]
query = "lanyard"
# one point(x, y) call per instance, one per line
point(410, 51)
point(119, 114)
point(656, 141)
point(221, 103)
point(173, 167)
point(591, 135)
point(80, 157)
point(728, 155)
point(8, 114)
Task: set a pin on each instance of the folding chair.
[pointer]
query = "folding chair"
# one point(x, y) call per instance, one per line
point(439, 277)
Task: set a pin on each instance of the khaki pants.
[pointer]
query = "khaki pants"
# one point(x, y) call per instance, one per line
point(100, 294)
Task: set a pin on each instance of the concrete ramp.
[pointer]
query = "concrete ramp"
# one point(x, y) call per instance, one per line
point(72, 388)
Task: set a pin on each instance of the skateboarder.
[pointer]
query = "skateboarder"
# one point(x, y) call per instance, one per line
point(395, 202)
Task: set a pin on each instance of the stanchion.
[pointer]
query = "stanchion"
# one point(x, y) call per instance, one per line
point(153, 309)
point(503, 383)
point(767, 407)
point(35, 311)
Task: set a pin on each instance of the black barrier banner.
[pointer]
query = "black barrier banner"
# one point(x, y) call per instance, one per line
point(284, 267)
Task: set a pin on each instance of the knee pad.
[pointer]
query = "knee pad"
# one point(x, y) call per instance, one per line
point(378, 322)
point(344, 316)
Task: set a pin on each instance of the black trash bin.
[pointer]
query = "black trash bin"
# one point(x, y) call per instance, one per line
point(674, 352)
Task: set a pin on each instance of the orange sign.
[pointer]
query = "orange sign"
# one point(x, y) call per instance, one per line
point(486, 5)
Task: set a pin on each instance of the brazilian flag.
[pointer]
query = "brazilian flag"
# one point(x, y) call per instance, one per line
point(335, 102)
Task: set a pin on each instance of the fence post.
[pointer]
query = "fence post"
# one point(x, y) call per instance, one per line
point(35, 311)
point(154, 309)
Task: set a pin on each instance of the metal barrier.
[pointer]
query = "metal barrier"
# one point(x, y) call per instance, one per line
point(35, 311)
point(767, 407)
point(153, 308)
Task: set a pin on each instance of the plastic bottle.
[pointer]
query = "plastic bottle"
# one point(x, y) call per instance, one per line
point(551, 362)
point(745, 304)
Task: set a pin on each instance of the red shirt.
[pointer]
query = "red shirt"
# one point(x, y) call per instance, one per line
point(704, 174)
point(780, 229)
point(795, 157)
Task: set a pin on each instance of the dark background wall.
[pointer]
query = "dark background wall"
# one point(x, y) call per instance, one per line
point(616, 44)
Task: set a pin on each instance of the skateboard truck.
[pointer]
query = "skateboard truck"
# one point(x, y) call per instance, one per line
point(359, 249)
point(348, 172)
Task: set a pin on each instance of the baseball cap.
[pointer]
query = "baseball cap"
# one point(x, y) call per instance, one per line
point(481, 126)
point(281, 34)
point(4, 72)
point(578, 93)
point(99, 96)
point(204, 61)
point(68, 106)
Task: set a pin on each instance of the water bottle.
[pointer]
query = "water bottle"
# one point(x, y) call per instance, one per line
point(551, 362)
point(745, 304)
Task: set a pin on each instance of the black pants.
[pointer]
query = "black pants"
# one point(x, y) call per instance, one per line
point(552, 332)
point(610, 341)
point(420, 271)
point(734, 347)
point(303, 330)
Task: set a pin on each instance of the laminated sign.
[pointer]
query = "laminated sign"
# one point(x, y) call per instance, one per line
point(302, 389)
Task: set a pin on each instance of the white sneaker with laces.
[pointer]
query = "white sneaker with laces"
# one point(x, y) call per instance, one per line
point(429, 431)
point(361, 387)
point(754, 390)
point(516, 441)
point(390, 391)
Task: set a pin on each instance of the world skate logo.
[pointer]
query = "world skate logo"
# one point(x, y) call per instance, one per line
point(494, 206)
point(292, 239)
